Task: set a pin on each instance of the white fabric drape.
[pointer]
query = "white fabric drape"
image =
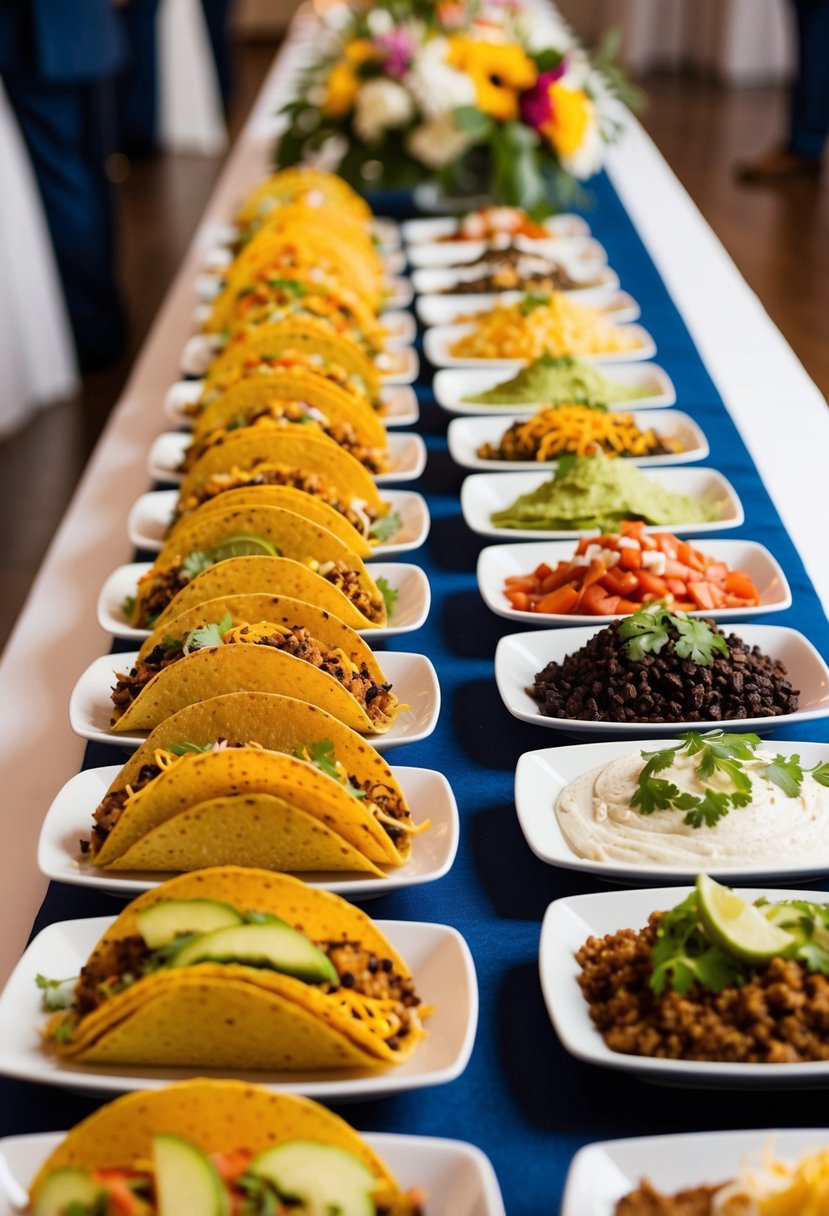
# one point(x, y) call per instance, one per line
point(36, 352)
point(190, 109)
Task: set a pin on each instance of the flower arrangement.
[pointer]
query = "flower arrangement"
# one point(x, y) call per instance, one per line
point(476, 95)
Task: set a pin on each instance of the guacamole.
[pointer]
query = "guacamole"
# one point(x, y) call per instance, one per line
point(597, 492)
point(551, 380)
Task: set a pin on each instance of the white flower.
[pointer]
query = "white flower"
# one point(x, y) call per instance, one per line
point(589, 156)
point(435, 85)
point(437, 142)
point(380, 21)
point(380, 106)
point(544, 29)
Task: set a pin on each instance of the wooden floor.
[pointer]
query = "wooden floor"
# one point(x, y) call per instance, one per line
point(779, 237)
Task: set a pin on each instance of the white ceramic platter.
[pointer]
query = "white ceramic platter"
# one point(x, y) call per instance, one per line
point(484, 493)
point(438, 341)
point(519, 656)
point(427, 231)
point(466, 435)
point(455, 1176)
point(567, 925)
point(451, 385)
point(407, 454)
point(572, 249)
point(437, 954)
point(541, 776)
point(398, 365)
point(150, 518)
point(433, 280)
point(413, 676)
point(448, 310)
point(601, 1174)
point(498, 562)
point(400, 406)
point(69, 820)
point(409, 612)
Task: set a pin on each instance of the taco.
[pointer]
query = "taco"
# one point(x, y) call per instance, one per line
point(313, 186)
point(213, 535)
point(289, 397)
point(240, 968)
point(296, 341)
point(257, 642)
point(210, 1147)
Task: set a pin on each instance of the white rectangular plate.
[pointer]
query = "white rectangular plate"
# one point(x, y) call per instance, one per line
point(437, 954)
point(432, 280)
point(484, 493)
point(427, 231)
point(498, 562)
point(399, 364)
point(520, 656)
point(566, 927)
point(69, 819)
point(438, 341)
point(400, 407)
point(455, 1177)
point(410, 610)
point(466, 435)
point(448, 310)
point(413, 676)
point(407, 456)
point(541, 776)
point(150, 518)
point(573, 249)
point(451, 385)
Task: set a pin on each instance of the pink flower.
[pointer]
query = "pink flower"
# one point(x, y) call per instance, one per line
point(536, 103)
point(397, 50)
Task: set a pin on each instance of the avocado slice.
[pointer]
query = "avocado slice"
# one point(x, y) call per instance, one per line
point(161, 923)
point(68, 1189)
point(322, 1178)
point(272, 944)
point(186, 1180)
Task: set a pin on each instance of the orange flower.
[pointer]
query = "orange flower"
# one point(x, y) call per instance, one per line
point(571, 116)
point(343, 83)
point(499, 72)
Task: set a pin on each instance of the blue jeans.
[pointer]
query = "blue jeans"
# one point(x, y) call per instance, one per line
point(809, 120)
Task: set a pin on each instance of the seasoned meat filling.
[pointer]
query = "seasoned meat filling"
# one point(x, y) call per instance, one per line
point(647, 1201)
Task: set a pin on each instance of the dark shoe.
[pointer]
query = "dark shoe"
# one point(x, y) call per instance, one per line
point(778, 165)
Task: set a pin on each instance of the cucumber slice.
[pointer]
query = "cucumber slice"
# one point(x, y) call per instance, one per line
point(68, 1189)
point(324, 1179)
point(160, 923)
point(273, 944)
point(186, 1180)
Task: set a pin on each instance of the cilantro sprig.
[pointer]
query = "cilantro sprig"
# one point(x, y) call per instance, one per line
point(648, 632)
point(208, 635)
point(385, 527)
point(56, 993)
point(321, 755)
point(390, 594)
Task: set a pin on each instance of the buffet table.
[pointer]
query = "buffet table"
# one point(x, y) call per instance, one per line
point(521, 1099)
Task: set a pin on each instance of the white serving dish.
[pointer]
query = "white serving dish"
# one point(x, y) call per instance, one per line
point(407, 455)
point(397, 365)
point(575, 249)
point(466, 435)
point(451, 385)
point(567, 925)
point(602, 1173)
point(540, 776)
point(413, 676)
point(400, 407)
point(457, 1177)
point(399, 293)
point(519, 656)
point(498, 562)
point(69, 819)
point(427, 231)
point(150, 518)
point(410, 610)
point(437, 954)
point(484, 493)
point(438, 340)
point(431, 280)
point(447, 310)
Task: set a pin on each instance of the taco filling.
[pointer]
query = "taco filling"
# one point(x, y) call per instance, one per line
point(259, 364)
point(374, 698)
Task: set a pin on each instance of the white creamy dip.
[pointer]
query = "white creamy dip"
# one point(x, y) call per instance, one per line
point(598, 822)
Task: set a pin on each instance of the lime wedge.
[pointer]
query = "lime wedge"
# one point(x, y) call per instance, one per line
point(243, 546)
point(738, 927)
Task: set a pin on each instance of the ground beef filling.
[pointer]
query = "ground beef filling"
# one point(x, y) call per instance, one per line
point(781, 1016)
point(387, 803)
point(157, 591)
point(128, 686)
point(108, 812)
point(512, 269)
point(598, 683)
point(348, 581)
point(120, 963)
point(647, 1201)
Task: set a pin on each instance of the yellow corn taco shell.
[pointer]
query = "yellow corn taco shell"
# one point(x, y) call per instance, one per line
point(326, 190)
point(244, 662)
point(169, 817)
point(215, 1116)
point(234, 1015)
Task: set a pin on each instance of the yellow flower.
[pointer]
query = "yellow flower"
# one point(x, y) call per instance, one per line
point(499, 72)
point(343, 83)
point(572, 115)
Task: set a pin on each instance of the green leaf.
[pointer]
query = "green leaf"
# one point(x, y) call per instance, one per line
point(208, 635)
point(195, 562)
point(55, 993)
point(390, 594)
point(321, 755)
point(128, 606)
point(709, 810)
point(645, 633)
point(531, 302)
point(473, 122)
point(385, 527)
point(63, 1031)
point(186, 748)
point(682, 954)
point(697, 641)
point(290, 286)
point(786, 774)
point(820, 774)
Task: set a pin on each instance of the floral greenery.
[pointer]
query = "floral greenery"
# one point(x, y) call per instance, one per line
point(478, 96)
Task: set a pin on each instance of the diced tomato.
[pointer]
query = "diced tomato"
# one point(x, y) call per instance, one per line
point(581, 547)
point(716, 572)
point(519, 600)
point(521, 582)
point(627, 606)
point(737, 582)
point(231, 1164)
point(560, 601)
point(689, 557)
point(677, 587)
point(122, 1200)
point(630, 559)
point(620, 582)
point(647, 542)
point(596, 602)
point(702, 595)
point(543, 571)
point(652, 583)
point(675, 569)
point(667, 544)
point(564, 574)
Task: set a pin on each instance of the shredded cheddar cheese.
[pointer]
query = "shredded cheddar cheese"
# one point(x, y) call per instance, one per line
point(579, 430)
point(552, 324)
